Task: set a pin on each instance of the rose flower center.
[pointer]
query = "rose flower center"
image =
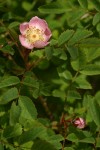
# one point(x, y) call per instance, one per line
point(33, 35)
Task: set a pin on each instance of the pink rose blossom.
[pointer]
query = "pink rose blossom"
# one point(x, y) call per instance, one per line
point(34, 33)
point(79, 123)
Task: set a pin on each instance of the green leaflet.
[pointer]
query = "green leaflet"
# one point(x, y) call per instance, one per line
point(65, 36)
point(9, 81)
point(79, 35)
point(91, 69)
point(28, 110)
point(8, 96)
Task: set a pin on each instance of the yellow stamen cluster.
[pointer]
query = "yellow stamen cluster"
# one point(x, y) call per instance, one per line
point(33, 35)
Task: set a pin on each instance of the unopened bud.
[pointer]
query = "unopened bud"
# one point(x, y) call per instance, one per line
point(79, 123)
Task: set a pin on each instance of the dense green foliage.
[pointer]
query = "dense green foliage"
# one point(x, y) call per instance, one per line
point(41, 90)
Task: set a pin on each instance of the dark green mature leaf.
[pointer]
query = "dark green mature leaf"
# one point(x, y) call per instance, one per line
point(41, 144)
point(31, 82)
point(73, 95)
point(53, 8)
point(91, 69)
point(83, 3)
point(28, 110)
point(14, 114)
point(94, 109)
point(12, 131)
point(65, 36)
point(7, 49)
point(9, 81)
point(10, 95)
point(79, 35)
point(31, 134)
point(96, 19)
point(81, 136)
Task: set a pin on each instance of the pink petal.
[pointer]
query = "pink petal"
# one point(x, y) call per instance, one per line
point(47, 34)
point(24, 42)
point(38, 23)
point(40, 44)
point(23, 27)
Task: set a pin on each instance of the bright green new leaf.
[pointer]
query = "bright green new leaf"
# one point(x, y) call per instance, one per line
point(10, 95)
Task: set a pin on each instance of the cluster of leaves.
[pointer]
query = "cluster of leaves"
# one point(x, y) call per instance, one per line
point(37, 88)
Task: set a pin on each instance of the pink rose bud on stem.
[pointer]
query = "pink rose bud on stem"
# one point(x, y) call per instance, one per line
point(34, 33)
point(79, 123)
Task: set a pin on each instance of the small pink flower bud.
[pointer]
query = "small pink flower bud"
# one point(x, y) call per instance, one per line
point(34, 33)
point(79, 123)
